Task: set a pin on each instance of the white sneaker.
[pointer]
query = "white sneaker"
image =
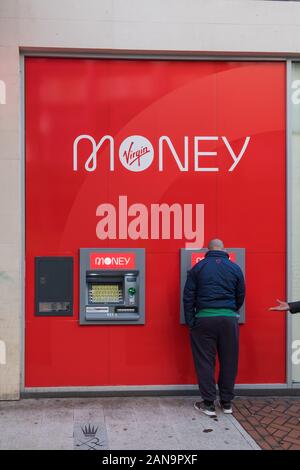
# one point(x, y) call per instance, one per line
point(205, 408)
point(226, 407)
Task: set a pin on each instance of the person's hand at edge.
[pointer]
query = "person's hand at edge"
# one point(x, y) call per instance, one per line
point(281, 307)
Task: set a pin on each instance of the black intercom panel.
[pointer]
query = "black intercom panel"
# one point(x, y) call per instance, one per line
point(54, 286)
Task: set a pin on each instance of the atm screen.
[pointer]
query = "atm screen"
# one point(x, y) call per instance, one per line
point(106, 293)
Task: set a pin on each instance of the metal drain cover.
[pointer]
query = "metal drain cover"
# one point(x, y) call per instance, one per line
point(90, 436)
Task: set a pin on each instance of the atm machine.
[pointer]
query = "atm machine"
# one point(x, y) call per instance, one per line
point(189, 257)
point(112, 286)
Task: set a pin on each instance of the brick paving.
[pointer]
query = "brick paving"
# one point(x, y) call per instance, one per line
point(274, 423)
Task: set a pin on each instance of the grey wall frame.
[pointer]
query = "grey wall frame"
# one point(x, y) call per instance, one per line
point(288, 59)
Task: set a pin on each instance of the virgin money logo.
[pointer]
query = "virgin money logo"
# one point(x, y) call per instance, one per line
point(112, 261)
point(136, 153)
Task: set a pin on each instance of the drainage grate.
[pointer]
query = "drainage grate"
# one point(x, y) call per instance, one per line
point(90, 436)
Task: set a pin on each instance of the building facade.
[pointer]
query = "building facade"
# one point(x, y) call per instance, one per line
point(113, 115)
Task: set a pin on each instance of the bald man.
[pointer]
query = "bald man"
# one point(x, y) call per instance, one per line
point(213, 294)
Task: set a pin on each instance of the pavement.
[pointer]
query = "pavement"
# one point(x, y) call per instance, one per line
point(274, 423)
point(119, 423)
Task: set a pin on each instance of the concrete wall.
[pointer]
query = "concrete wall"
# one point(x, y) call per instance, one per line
point(190, 26)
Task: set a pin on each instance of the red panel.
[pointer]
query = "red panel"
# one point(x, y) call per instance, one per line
point(226, 101)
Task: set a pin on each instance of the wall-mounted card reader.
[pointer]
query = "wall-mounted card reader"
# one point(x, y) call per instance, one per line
point(189, 257)
point(112, 286)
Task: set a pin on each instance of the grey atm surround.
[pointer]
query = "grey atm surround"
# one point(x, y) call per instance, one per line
point(53, 286)
point(128, 313)
point(185, 266)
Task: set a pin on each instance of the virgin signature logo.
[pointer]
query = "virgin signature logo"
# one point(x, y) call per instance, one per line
point(130, 156)
point(136, 153)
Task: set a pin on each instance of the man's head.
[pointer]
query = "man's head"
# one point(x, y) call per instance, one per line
point(216, 244)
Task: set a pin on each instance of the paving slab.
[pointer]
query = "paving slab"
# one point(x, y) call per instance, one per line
point(123, 423)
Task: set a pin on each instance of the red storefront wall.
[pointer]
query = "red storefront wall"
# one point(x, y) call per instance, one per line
point(246, 207)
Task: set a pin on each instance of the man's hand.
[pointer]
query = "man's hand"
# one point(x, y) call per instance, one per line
point(282, 306)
